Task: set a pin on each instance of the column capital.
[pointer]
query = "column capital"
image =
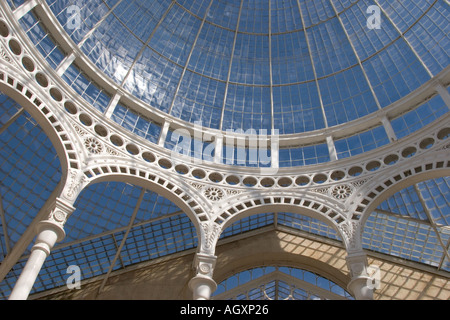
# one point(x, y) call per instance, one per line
point(204, 264)
point(61, 210)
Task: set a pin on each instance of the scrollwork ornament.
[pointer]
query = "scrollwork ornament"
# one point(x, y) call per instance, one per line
point(349, 231)
point(4, 55)
point(210, 232)
point(76, 182)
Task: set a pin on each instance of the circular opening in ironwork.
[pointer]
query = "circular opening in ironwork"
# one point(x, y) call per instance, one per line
point(101, 130)
point(215, 177)
point(355, 171)
point(232, 180)
point(250, 181)
point(426, 143)
point(373, 166)
point(70, 107)
point(85, 119)
point(444, 134)
point(41, 80)
point(409, 152)
point(132, 149)
point(337, 175)
point(320, 178)
point(267, 182)
point(285, 182)
point(302, 180)
point(4, 31)
point(148, 156)
point(391, 159)
point(116, 140)
point(28, 64)
point(56, 94)
point(15, 47)
point(199, 174)
point(181, 169)
point(165, 164)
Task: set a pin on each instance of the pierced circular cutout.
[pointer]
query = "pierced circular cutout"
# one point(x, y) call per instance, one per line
point(337, 175)
point(391, 159)
point(373, 166)
point(444, 134)
point(15, 47)
point(215, 177)
point(4, 31)
point(267, 182)
point(70, 107)
point(181, 169)
point(165, 164)
point(426, 143)
point(148, 156)
point(56, 94)
point(302, 181)
point(250, 181)
point(232, 180)
point(320, 178)
point(101, 130)
point(28, 64)
point(41, 79)
point(285, 182)
point(409, 152)
point(355, 171)
point(132, 149)
point(117, 141)
point(199, 174)
point(85, 119)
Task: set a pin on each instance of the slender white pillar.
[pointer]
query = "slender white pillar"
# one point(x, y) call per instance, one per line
point(331, 148)
point(112, 104)
point(65, 64)
point(361, 284)
point(444, 94)
point(164, 131)
point(218, 149)
point(49, 232)
point(389, 130)
point(203, 285)
point(40, 251)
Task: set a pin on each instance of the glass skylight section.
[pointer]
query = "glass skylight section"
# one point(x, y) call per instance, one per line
point(29, 172)
point(361, 143)
point(252, 58)
point(303, 156)
point(251, 287)
point(404, 239)
point(87, 89)
point(413, 224)
point(419, 117)
point(136, 123)
point(42, 40)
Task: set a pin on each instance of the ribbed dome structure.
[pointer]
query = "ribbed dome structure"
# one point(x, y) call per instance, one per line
point(294, 66)
point(286, 149)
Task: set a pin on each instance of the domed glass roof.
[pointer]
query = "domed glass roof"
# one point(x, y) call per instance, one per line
point(291, 65)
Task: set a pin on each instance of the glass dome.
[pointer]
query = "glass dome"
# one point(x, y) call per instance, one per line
point(289, 65)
